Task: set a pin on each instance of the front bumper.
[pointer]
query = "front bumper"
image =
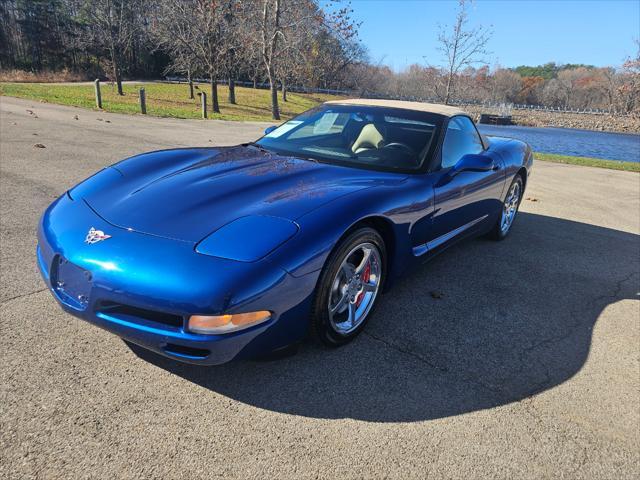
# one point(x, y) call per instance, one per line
point(144, 288)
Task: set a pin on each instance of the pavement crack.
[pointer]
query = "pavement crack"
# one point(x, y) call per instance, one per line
point(619, 284)
point(406, 352)
point(571, 329)
point(501, 390)
point(577, 319)
point(17, 297)
point(445, 370)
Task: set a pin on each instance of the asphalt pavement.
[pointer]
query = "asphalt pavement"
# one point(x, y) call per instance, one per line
point(514, 359)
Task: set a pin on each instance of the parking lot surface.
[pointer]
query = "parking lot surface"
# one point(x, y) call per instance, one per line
point(514, 359)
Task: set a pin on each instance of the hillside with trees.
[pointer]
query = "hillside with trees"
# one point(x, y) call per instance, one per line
point(282, 43)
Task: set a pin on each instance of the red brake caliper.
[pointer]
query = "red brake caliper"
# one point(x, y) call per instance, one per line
point(366, 274)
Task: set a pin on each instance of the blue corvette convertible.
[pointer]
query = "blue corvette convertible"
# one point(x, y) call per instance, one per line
point(210, 254)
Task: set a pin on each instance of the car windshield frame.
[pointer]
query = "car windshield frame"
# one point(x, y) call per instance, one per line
point(310, 117)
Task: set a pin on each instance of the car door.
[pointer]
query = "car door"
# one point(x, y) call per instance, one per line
point(463, 199)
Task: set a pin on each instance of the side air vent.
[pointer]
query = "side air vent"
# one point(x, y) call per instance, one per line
point(131, 314)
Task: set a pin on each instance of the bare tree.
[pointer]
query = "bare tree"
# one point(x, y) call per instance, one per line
point(570, 82)
point(610, 83)
point(289, 30)
point(231, 45)
point(289, 68)
point(272, 37)
point(330, 45)
point(183, 60)
point(295, 43)
point(192, 30)
point(111, 26)
point(506, 85)
point(629, 91)
point(462, 48)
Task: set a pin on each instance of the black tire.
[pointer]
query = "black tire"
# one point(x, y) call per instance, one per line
point(497, 232)
point(321, 327)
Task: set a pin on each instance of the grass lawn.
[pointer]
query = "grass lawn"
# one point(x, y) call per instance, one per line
point(588, 162)
point(167, 100)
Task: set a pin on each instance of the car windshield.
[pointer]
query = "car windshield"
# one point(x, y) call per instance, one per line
point(359, 136)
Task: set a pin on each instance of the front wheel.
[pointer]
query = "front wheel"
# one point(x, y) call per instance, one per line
point(509, 209)
point(349, 286)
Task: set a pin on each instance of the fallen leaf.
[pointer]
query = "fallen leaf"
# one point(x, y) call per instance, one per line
point(99, 119)
point(34, 134)
point(39, 145)
point(437, 295)
point(107, 121)
point(75, 117)
point(30, 112)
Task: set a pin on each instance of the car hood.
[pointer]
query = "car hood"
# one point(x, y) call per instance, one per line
point(188, 193)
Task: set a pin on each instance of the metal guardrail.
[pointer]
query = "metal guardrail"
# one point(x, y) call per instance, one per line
point(542, 108)
point(498, 106)
point(264, 86)
point(377, 95)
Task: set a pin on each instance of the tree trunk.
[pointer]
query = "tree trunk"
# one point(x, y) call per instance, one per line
point(255, 82)
point(284, 91)
point(447, 95)
point(116, 74)
point(214, 96)
point(269, 52)
point(275, 111)
point(232, 91)
point(190, 84)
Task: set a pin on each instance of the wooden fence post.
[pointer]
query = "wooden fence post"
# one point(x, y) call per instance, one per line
point(143, 102)
point(98, 96)
point(203, 102)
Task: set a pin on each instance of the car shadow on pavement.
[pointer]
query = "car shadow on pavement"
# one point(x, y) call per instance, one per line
point(482, 325)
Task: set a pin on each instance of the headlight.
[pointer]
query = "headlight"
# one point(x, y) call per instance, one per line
point(102, 180)
point(217, 324)
point(248, 239)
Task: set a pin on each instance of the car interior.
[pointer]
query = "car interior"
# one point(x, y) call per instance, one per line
point(370, 138)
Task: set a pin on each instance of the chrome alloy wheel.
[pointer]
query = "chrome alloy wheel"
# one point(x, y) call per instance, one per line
point(354, 288)
point(510, 207)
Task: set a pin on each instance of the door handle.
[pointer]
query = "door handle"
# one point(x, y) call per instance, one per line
point(495, 167)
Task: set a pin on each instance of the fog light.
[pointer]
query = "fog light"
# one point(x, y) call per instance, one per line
point(216, 324)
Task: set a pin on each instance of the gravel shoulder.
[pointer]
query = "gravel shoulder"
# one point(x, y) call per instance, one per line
point(528, 366)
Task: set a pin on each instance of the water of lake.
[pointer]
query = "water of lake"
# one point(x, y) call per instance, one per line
point(568, 141)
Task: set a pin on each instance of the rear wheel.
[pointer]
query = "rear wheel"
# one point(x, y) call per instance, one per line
point(509, 209)
point(349, 287)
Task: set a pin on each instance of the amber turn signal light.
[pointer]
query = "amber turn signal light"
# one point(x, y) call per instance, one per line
point(217, 324)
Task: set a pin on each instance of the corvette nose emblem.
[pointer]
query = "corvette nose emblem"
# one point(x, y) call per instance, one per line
point(95, 236)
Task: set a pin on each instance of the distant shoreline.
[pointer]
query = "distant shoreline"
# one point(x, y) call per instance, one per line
point(583, 121)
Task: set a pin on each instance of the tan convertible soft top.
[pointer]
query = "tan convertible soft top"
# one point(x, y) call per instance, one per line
point(445, 110)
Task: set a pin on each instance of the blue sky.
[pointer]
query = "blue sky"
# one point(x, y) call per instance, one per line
point(597, 32)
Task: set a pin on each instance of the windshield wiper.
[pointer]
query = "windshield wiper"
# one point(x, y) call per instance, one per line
point(258, 146)
point(304, 157)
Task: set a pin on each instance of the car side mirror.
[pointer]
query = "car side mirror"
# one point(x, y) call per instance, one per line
point(270, 129)
point(473, 163)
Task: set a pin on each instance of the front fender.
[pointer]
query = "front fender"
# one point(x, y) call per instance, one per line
point(400, 205)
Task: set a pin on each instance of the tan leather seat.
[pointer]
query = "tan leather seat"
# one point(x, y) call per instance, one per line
point(370, 137)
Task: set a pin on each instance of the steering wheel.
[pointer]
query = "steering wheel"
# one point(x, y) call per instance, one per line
point(401, 146)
